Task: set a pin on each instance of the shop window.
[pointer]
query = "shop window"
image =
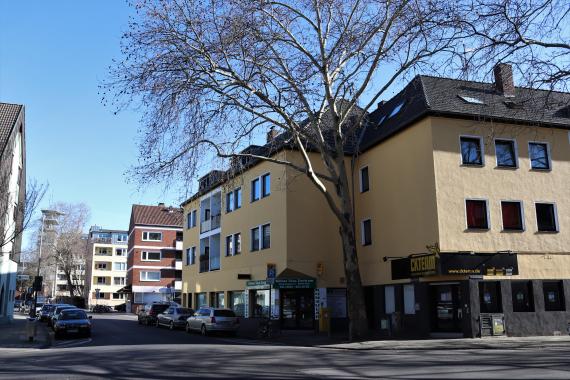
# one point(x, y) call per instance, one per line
point(546, 217)
point(389, 300)
point(539, 156)
point(189, 300)
point(523, 300)
point(237, 303)
point(553, 296)
point(201, 300)
point(506, 153)
point(512, 216)
point(471, 151)
point(409, 299)
point(476, 214)
point(490, 297)
point(259, 303)
point(217, 299)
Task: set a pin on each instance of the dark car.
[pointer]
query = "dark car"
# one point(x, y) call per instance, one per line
point(46, 310)
point(72, 321)
point(54, 314)
point(147, 315)
point(174, 317)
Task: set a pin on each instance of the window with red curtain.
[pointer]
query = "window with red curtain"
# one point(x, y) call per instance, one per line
point(512, 216)
point(477, 214)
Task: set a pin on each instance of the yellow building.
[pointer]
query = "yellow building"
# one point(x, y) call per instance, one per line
point(462, 206)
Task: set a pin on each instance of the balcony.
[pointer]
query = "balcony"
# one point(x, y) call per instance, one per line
point(178, 285)
point(178, 265)
point(210, 224)
point(103, 240)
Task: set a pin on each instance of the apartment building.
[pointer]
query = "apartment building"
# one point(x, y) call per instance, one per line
point(463, 214)
point(61, 286)
point(106, 266)
point(12, 196)
point(154, 255)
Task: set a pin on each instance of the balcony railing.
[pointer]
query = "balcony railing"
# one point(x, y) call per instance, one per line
point(210, 224)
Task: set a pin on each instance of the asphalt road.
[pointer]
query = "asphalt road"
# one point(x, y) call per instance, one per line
point(122, 349)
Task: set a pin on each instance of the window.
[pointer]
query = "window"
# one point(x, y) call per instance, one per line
point(364, 181)
point(471, 151)
point(237, 303)
point(476, 214)
point(539, 156)
point(150, 276)
point(546, 219)
point(201, 300)
point(118, 281)
point(396, 109)
point(512, 216)
point(101, 281)
point(266, 185)
point(366, 232)
point(409, 299)
point(255, 190)
point(255, 239)
point(553, 296)
point(233, 200)
point(266, 236)
point(490, 297)
point(122, 237)
point(120, 252)
point(522, 296)
point(190, 256)
point(102, 266)
point(217, 299)
point(118, 296)
point(237, 244)
point(150, 256)
point(151, 236)
point(191, 219)
point(119, 266)
point(505, 151)
point(389, 300)
point(237, 197)
point(470, 99)
point(229, 245)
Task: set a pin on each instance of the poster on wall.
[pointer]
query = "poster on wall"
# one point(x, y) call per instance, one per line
point(336, 302)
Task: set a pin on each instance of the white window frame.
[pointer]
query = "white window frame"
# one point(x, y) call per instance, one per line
point(120, 264)
point(148, 234)
point(232, 250)
point(547, 152)
point(123, 250)
point(362, 235)
point(515, 151)
point(521, 204)
point(481, 144)
point(555, 217)
point(467, 228)
point(146, 277)
point(360, 178)
point(147, 259)
point(122, 281)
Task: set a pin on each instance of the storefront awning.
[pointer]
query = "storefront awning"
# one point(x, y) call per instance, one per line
point(455, 263)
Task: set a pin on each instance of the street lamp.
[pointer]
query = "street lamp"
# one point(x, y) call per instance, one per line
point(49, 217)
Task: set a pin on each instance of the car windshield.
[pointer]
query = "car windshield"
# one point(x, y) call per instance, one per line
point(182, 310)
point(61, 309)
point(224, 313)
point(160, 308)
point(73, 314)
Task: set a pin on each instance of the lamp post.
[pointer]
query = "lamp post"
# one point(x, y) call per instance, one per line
point(49, 217)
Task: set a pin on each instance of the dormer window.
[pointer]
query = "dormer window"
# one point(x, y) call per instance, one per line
point(471, 99)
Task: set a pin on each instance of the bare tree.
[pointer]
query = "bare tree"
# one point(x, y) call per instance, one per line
point(69, 253)
point(15, 224)
point(531, 35)
point(217, 74)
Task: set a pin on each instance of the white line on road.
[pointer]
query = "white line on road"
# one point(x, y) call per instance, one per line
point(72, 343)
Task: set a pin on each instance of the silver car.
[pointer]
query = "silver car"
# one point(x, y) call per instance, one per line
point(174, 317)
point(209, 319)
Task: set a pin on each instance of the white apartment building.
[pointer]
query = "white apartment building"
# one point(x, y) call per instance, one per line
point(107, 266)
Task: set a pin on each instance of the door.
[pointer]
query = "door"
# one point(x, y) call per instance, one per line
point(297, 309)
point(447, 313)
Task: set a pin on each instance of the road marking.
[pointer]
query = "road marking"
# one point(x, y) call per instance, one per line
point(72, 343)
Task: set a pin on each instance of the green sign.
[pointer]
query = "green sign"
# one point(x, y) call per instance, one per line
point(256, 284)
point(295, 283)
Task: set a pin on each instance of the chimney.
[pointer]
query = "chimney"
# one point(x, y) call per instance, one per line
point(271, 134)
point(161, 204)
point(504, 80)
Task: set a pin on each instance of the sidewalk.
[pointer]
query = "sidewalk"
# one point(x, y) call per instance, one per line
point(502, 343)
point(13, 335)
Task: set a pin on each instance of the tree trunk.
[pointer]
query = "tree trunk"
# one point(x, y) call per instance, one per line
point(70, 284)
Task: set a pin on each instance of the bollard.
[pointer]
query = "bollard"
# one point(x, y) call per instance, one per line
point(31, 325)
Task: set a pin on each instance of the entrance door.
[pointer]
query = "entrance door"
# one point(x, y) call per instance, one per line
point(447, 313)
point(297, 309)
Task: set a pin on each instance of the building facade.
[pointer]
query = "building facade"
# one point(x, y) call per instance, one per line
point(106, 266)
point(154, 255)
point(462, 213)
point(12, 197)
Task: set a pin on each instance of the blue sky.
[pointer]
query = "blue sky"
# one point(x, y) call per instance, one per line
point(53, 56)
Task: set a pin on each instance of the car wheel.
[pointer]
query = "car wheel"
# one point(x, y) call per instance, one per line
point(204, 331)
point(187, 328)
point(171, 325)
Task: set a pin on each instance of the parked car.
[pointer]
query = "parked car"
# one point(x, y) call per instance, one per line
point(174, 317)
point(17, 305)
point(54, 314)
point(46, 310)
point(208, 320)
point(147, 315)
point(102, 309)
point(121, 308)
point(72, 321)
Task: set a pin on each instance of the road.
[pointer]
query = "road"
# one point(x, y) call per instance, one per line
point(122, 349)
